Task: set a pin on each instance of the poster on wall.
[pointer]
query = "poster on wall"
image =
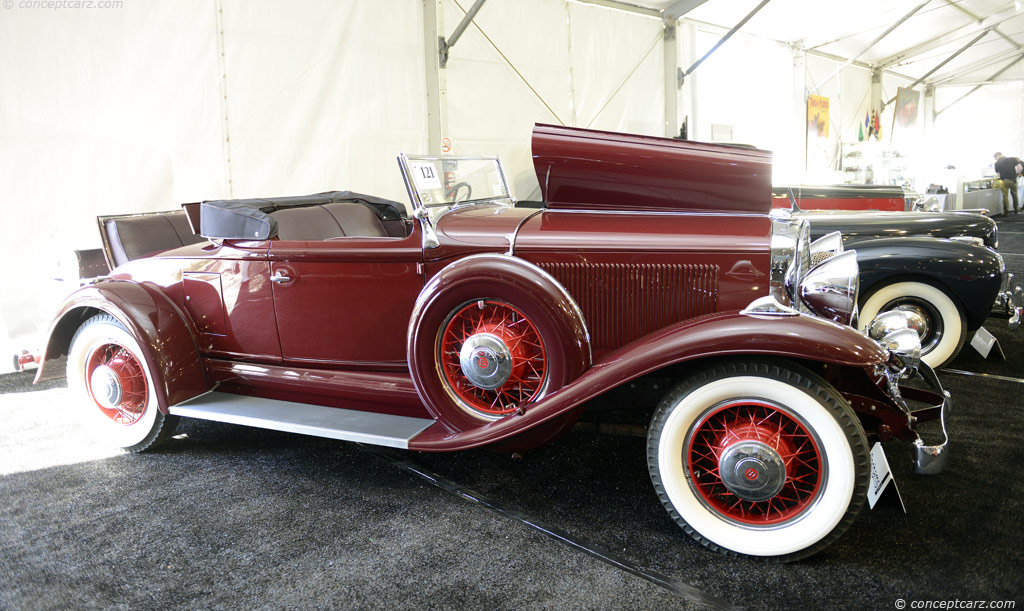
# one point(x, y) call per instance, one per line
point(907, 102)
point(817, 116)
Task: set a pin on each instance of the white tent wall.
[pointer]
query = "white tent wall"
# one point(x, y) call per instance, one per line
point(967, 133)
point(133, 109)
point(322, 95)
point(748, 83)
point(549, 61)
point(101, 111)
point(122, 110)
point(824, 154)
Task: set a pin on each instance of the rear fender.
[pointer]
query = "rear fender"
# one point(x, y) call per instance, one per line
point(968, 273)
point(151, 318)
point(720, 335)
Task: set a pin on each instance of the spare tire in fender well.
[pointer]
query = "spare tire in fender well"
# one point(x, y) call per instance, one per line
point(503, 279)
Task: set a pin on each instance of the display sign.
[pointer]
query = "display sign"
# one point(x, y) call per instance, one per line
point(881, 478)
point(424, 174)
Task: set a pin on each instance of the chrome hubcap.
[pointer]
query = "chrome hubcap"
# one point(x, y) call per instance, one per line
point(106, 387)
point(486, 361)
point(917, 319)
point(752, 470)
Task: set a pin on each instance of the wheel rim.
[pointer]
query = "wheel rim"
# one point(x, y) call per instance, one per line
point(117, 383)
point(923, 318)
point(491, 358)
point(754, 463)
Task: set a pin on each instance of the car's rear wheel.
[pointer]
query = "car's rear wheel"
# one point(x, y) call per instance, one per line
point(938, 320)
point(759, 459)
point(106, 367)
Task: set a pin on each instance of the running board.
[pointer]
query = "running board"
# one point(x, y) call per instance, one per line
point(305, 419)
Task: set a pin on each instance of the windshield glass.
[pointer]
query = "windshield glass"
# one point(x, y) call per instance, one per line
point(443, 181)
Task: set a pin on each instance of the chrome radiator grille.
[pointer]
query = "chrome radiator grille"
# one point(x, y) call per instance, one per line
point(624, 301)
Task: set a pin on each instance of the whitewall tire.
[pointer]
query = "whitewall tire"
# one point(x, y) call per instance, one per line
point(940, 321)
point(107, 371)
point(759, 459)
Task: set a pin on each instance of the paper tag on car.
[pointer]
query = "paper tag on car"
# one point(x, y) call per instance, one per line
point(881, 477)
point(424, 174)
point(983, 341)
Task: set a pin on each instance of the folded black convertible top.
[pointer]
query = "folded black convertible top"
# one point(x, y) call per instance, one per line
point(249, 219)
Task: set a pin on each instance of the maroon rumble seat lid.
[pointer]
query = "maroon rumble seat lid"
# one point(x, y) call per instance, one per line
point(595, 170)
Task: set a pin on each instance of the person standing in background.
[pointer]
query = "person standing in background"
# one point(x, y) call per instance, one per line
point(1007, 169)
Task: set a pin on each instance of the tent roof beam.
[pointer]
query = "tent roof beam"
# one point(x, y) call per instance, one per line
point(870, 45)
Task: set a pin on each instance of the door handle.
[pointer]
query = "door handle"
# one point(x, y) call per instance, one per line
point(280, 277)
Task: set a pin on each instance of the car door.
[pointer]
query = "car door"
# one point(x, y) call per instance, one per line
point(346, 302)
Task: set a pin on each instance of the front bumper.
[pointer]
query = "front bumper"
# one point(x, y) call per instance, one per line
point(929, 459)
point(1010, 301)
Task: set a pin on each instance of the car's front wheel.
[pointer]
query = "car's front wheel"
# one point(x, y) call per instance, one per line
point(106, 368)
point(936, 317)
point(760, 459)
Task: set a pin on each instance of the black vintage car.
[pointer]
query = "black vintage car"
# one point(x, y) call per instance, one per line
point(860, 225)
point(940, 268)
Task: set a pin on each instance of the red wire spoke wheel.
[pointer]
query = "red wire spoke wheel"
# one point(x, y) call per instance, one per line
point(759, 458)
point(117, 383)
point(491, 358)
point(755, 463)
point(106, 368)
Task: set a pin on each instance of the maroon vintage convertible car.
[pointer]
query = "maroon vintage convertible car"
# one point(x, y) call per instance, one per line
point(479, 324)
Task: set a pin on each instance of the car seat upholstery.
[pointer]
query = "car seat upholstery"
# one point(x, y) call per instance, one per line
point(327, 221)
point(130, 237)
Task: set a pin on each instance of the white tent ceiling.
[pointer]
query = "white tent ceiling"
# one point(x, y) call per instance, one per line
point(937, 30)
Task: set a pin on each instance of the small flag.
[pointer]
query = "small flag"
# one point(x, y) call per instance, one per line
point(860, 134)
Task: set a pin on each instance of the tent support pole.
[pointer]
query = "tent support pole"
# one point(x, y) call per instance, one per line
point(436, 86)
point(727, 36)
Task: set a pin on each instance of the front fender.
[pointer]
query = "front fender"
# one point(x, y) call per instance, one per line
point(969, 273)
point(167, 340)
point(717, 335)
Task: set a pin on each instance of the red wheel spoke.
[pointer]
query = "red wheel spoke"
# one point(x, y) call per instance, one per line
point(519, 336)
point(132, 387)
point(748, 422)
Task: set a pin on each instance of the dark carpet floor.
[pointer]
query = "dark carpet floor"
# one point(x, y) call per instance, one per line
point(228, 517)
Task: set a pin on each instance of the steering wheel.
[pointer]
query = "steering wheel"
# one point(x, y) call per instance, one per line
point(453, 192)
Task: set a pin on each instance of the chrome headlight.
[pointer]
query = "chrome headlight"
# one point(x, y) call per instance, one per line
point(830, 289)
point(906, 344)
point(826, 246)
point(894, 331)
point(887, 322)
point(790, 257)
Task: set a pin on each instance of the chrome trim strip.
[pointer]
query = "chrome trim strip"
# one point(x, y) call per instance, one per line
point(768, 306)
point(653, 212)
point(512, 237)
